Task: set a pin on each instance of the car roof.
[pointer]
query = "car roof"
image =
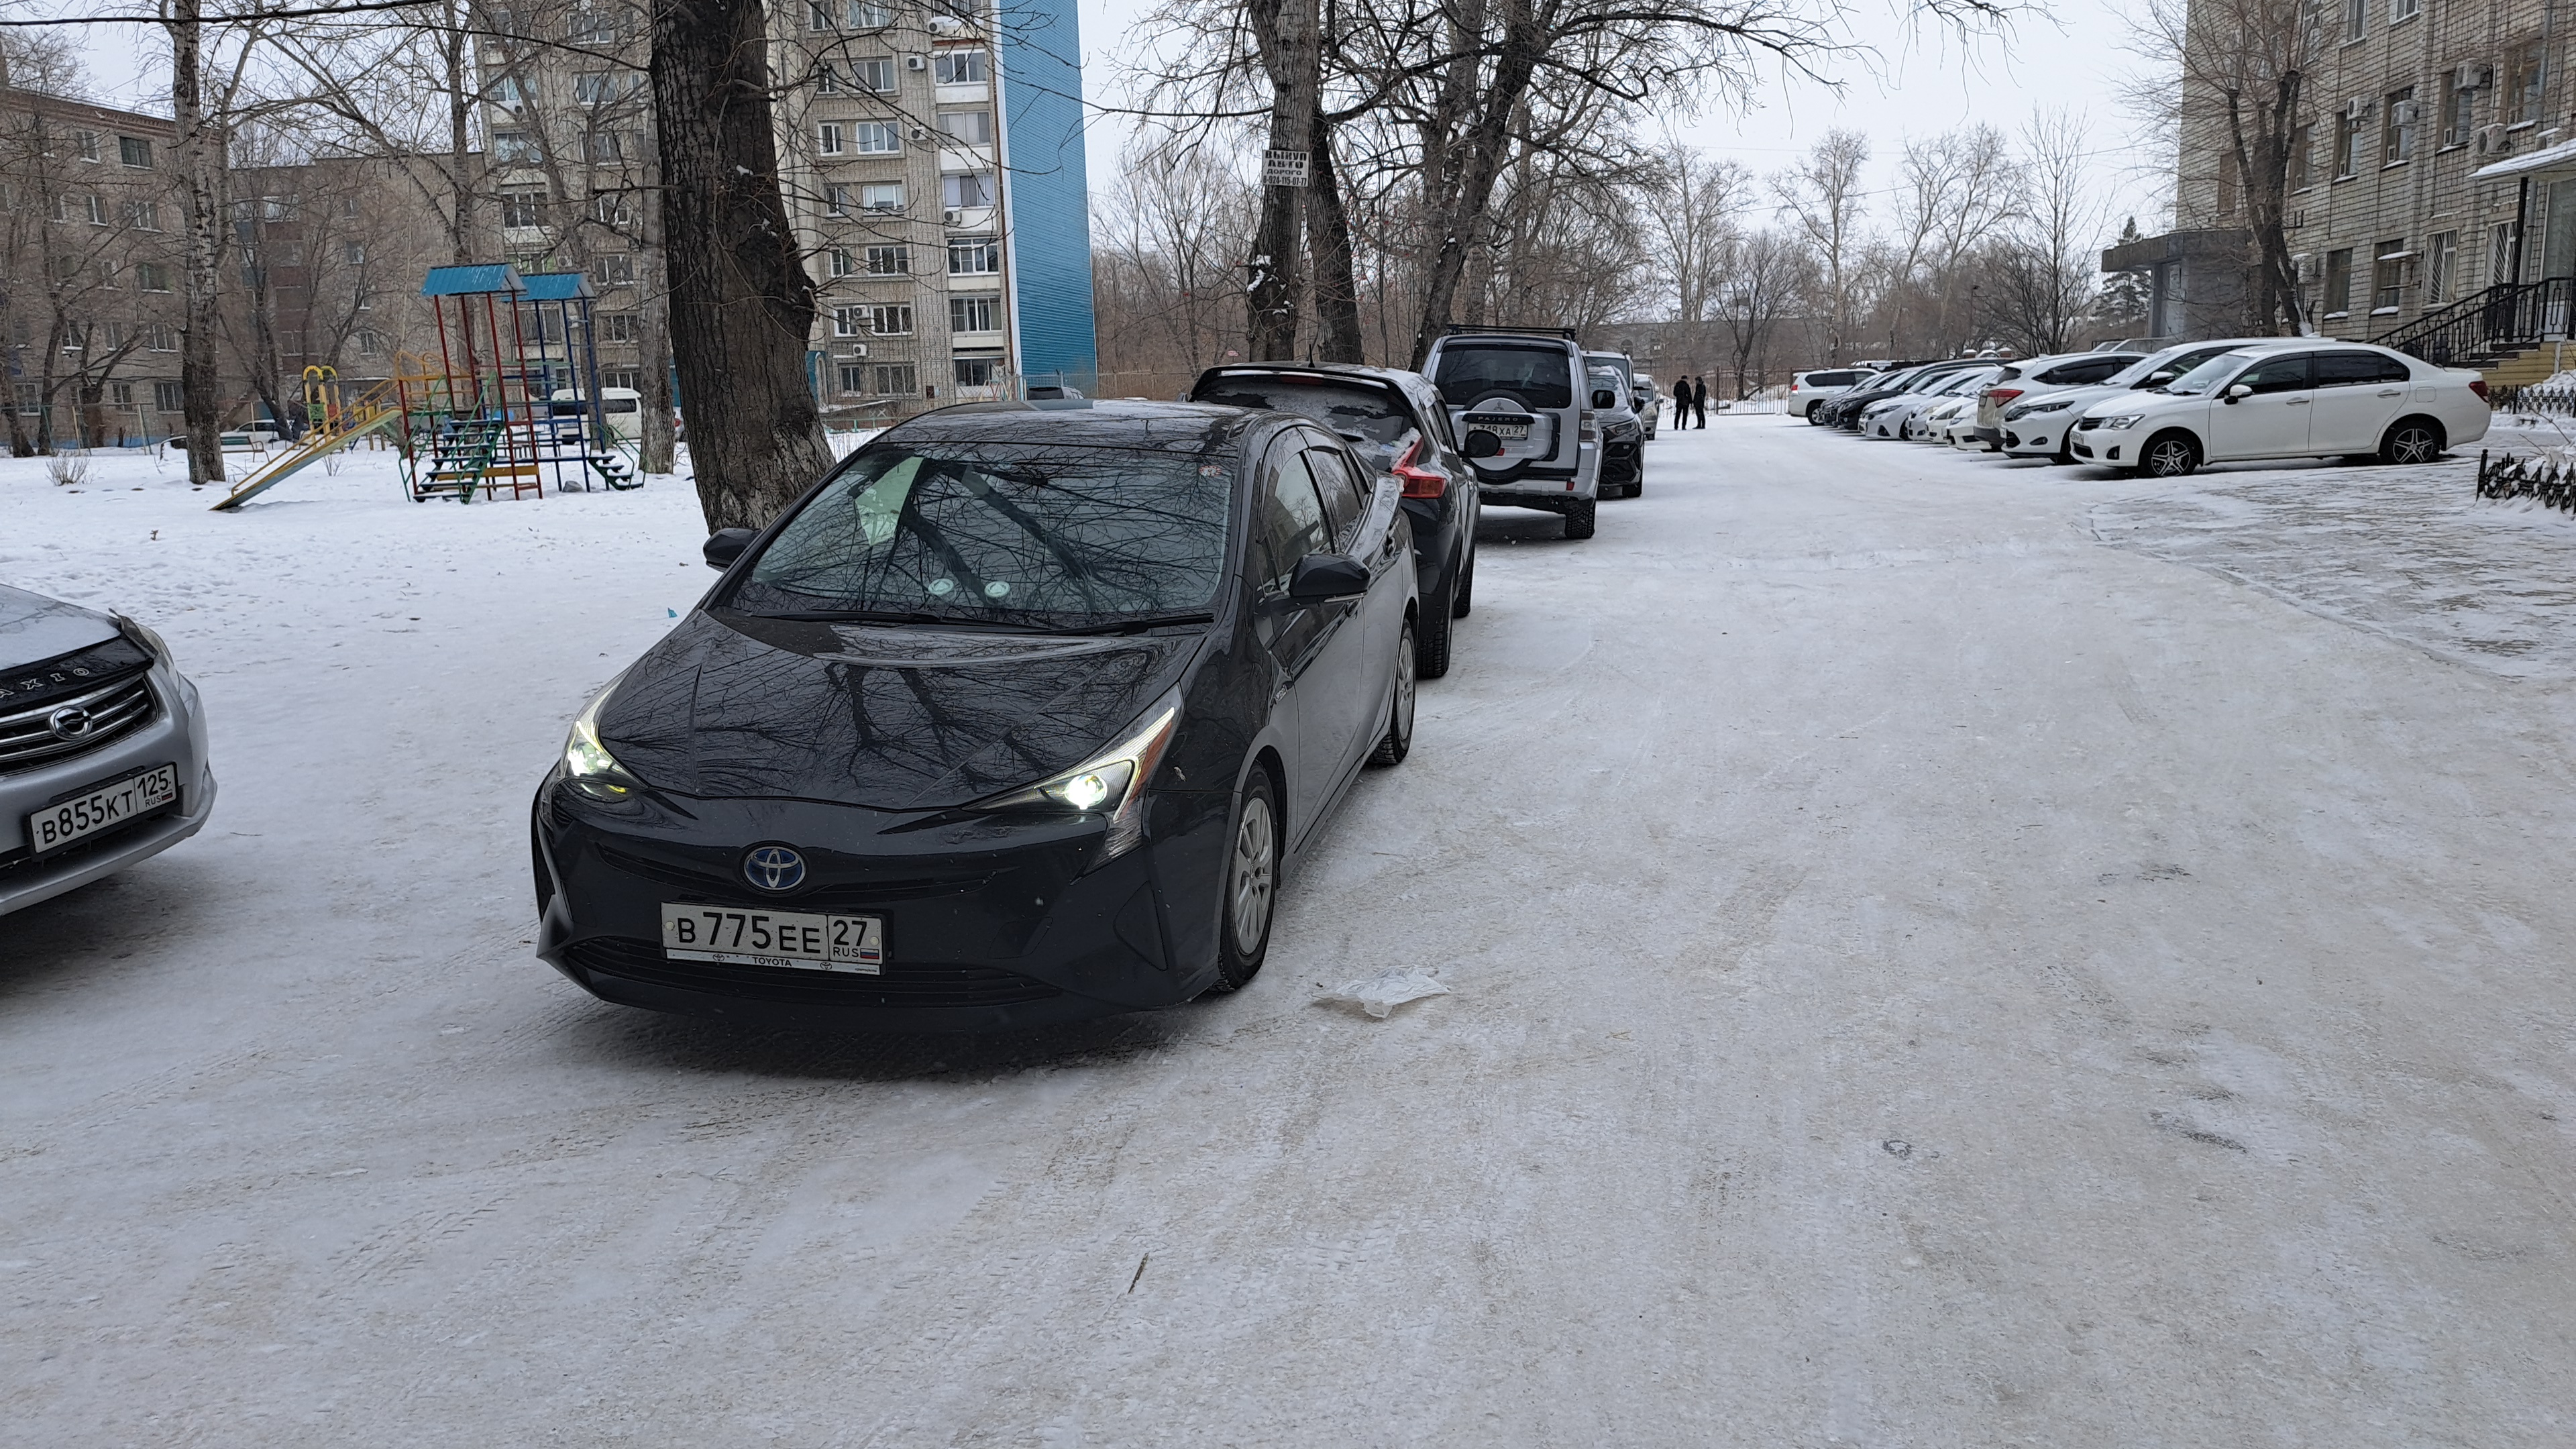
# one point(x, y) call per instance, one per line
point(1083, 423)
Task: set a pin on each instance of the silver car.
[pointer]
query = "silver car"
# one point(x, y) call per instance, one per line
point(102, 748)
point(1523, 410)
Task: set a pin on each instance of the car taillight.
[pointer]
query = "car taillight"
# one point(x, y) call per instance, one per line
point(2478, 385)
point(2002, 395)
point(1419, 482)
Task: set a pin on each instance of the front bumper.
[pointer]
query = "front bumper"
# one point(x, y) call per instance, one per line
point(990, 922)
point(176, 736)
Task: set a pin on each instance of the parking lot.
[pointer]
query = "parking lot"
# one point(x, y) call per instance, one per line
point(1943, 952)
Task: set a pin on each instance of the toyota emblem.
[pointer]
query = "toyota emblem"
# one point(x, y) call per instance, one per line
point(774, 868)
point(71, 722)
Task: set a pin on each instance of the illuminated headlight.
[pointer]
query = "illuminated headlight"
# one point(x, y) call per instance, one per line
point(150, 642)
point(2125, 420)
point(1111, 782)
point(588, 765)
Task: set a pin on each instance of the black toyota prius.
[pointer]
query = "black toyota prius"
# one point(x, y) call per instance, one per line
point(1019, 715)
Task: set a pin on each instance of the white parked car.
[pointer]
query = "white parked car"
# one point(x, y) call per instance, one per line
point(2034, 376)
point(1939, 423)
point(1809, 391)
point(2291, 399)
point(1894, 418)
point(2042, 426)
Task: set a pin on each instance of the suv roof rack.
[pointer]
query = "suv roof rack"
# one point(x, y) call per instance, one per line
point(1457, 328)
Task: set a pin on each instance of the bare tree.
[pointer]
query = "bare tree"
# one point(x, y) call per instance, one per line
point(1824, 196)
point(1694, 226)
point(2230, 79)
point(2044, 269)
point(1765, 272)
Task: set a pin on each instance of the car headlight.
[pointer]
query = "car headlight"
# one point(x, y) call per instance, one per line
point(588, 765)
point(147, 640)
point(2125, 420)
point(2026, 409)
point(1112, 781)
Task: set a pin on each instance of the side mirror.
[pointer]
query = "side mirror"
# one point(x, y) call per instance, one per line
point(1603, 397)
point(727, 545)
point(2240, 390)
point(1324, 576)
point(1481, 444)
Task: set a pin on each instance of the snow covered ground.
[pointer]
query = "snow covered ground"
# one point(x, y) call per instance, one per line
point(1942, 953)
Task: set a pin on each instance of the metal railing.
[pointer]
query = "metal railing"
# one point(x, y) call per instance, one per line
point(2554, 402)
point(2545, 481)
point(2503, 318)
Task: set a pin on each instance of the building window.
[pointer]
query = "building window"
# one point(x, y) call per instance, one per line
point(152, 276)
point(889, 261)
point(160, 337)
point(974, 256)
point(94, 210)
point(961, 189)
point(85, 144)
point(121, 394)
point(371, 343)
point(849, 321)
point(2441, 267)
point(596, 27)
point(877, 138)
point(882, 196)
point(167, 397)
point(277, 208)
point(2227, 183)
point(604, 148)
point(891, 319)
point(626, 377)
point(2348, 144)
point(827, 78)
point(2303, 158)
point(134, 151)
point(611, 208)
point(523, 208)
point(876, 73)
point(829, 143)
point(31, 400)
point(2459, 109)
point(508, 94)
point(976, 371)
point(514, 148)
point(818, 15)
point(613, 269)
point(2403, 10)
point(974, 314)
point(598, 87)
point(617, 327)
point(854, 377)
point(2356, 19)
point(839, 263)
point(867, 14)
point(967, 128)
point(2335, 298)
point(2500, 254)
point(836, 201)
point(354, 253)
point(896, 379)
point(2522, 92)
point(2397, 137)
point(2388, 275)
point(959, 67)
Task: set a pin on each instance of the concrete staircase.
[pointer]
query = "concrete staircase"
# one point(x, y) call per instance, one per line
point(2529, 366)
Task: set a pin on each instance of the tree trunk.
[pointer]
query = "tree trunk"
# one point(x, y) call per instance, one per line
point(200, 381)
point(1328, 235)
point(460, 114)
point(46, 385)
point(660, 451)
point(1475, 161)
point(742, 306)
point(1285, 30)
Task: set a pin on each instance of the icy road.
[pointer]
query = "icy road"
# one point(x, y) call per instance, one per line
point(1943, 954)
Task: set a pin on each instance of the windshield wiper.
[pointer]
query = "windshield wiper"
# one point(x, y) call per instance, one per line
point(877, 616)
point(1133, 626)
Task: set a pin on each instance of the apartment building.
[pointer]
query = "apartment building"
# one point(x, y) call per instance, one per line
point(2434, 160)
point(932, 161)
point(89, 272)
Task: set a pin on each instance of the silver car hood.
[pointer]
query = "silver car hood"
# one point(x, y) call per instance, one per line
point(33, 627)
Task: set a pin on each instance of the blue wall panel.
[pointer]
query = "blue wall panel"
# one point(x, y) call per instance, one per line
point(1040, 50)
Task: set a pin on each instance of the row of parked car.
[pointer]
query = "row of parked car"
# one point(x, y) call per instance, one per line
point(2166, 412)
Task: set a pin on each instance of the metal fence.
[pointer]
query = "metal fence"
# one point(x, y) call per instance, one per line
point(2546, 481)
point(2556, 402)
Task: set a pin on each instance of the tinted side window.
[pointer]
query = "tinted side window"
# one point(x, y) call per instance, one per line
point(1344, 503)
point(2088, 371)
point(2281, 374)
point(2178, 367)
point(2358, 369)
point(1535, 377)
point(1292, 518)
point(1374, 413)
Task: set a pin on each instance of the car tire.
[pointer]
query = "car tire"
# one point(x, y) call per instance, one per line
point(1578, 517)
point(1397, 742)
point(1811, 414)
point(1431, 642)
point(2412, 440)
point(2169, 455)
point(1465, 594)
point(1250, 900)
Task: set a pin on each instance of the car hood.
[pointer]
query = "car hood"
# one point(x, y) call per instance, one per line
point(35, 628)
point(890, 717)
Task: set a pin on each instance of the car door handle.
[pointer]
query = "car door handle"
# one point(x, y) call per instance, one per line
point(2392, 392)
point(2296, 402)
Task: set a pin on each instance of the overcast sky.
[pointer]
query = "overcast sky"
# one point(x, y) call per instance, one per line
point(1920, 83)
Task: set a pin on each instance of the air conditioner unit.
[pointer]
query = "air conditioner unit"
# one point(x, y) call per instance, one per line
point(854, 349)
point(2492, 139)
point(920, 133)
point(2402, 112)
point(2475, 77)
point(952, 216)
point(916, 62)
point(2354, 110)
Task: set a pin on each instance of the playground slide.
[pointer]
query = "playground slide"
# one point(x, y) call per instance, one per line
point(286, 466)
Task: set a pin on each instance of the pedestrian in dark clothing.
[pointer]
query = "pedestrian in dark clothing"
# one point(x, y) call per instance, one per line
point(1681, 402)
point(1699, 400)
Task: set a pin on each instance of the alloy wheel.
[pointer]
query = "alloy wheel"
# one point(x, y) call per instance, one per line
point(2413, 444)
point(1255, 865)
point(2169, 458)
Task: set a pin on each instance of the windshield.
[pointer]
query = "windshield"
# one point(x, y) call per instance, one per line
point(1371, 412)
point(1931, 380)
point(1973, 379)
point(1534, 377)
point(2162, 368)
point(1611, 360)
point(2209, 374)
point(1002, 533)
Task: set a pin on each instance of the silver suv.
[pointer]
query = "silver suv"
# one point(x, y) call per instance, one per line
point(102, 748)
point(1524, 413)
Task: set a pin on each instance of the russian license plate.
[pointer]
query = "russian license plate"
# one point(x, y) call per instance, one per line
point(104, 808)
point(1510, 430)
point(774, 938)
